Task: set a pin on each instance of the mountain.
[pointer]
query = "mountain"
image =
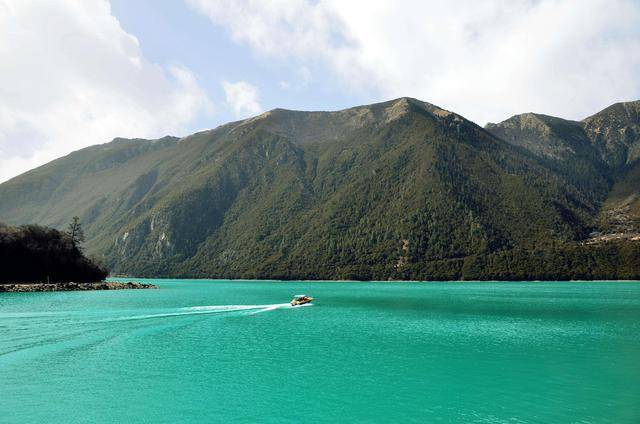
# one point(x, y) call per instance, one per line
point(400, 189)
point(615, 132)
point(562, 146)
point(600, 154)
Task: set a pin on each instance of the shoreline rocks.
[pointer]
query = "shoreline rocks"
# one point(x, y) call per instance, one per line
point(71, 286)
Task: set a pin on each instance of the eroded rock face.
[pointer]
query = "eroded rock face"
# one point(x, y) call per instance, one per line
point(71, 286)
point(615, 131)
point(543, 135)
point(613, 134)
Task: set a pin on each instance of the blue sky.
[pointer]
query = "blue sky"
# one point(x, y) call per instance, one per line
point(169, 31)
point(84, 72)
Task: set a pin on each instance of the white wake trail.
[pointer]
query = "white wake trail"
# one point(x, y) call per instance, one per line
point(231, 308)
point(212, 309)
point(272, 307)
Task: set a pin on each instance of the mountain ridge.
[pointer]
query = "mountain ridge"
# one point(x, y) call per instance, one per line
point(397, 189)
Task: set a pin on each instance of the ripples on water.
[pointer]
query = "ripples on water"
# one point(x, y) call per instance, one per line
point(197, 351)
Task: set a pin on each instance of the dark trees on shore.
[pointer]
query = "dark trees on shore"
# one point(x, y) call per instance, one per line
point(36, 254)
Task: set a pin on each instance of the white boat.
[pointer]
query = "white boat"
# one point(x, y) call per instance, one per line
point(300, 299)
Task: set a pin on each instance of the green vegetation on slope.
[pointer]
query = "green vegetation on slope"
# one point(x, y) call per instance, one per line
point(401, 189)
point(599, 154)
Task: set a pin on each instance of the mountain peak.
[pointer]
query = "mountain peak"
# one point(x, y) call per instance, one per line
point(615, 130)
point(293, 194)
point(398, 108)
point(400, 104)
point(545, 136)
point(620, 112)
point(311, 126)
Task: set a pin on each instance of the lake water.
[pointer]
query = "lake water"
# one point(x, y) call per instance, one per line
point(221, 351)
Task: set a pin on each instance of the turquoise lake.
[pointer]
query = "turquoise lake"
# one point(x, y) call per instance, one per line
point(234, 351)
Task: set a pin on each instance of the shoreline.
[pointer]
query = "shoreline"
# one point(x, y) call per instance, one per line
point(71, 286)
point(272, 280)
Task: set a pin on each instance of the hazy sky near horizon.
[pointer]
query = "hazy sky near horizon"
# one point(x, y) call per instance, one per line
point(81, 72)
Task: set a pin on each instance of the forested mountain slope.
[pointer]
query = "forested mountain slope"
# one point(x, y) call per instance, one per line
point(400, 189)
point(600, 154)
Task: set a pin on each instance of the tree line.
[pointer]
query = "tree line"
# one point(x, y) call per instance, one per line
point(37, 254)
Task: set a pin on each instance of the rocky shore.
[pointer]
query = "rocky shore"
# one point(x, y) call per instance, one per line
point(69, 286)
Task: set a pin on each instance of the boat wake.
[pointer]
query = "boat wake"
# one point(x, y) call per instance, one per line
point(50, 330)
point(251, 309)
point(214, 309)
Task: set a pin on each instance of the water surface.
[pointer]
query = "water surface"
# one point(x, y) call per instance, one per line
point(221, 351)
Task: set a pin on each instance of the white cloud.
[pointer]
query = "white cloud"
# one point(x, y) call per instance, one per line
point(72, 77)
point(301, 80)
point(242, 97)
point(274, 27)
point(487, 60)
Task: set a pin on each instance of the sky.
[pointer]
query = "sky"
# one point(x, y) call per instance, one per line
point(81, 72)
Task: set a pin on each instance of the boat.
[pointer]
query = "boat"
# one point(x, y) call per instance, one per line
point(301, 299)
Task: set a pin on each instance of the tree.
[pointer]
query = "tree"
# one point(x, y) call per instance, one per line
point(34, 254)
point(75, 231)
